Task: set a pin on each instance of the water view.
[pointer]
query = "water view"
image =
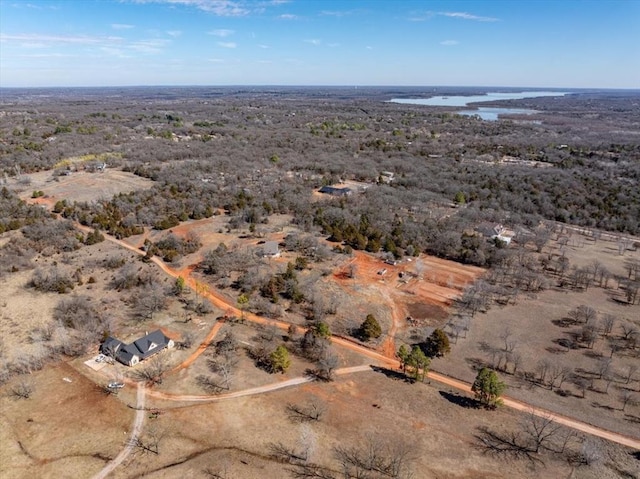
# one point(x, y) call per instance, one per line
point(486, 113)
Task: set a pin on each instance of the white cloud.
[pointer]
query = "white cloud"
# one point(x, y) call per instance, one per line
point(468, 16)
point(338, 13)
point(421, 17)
point(227, 44)
point(288, 16)
point(264, 46)
point(333, 45)
point(222, 32)
point(38, 38)
point(449, 43)
point(314, 41)
point(174, 33)
point(111, 45)
point(222, 8)
point(121, 26)
point(114, 52)
point(148, 46)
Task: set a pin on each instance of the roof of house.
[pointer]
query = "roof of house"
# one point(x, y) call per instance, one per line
point(151, 343)
point(143, 347)
point(332, 190)
point(270, 248)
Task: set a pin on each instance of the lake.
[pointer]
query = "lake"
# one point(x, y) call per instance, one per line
point(486, 113)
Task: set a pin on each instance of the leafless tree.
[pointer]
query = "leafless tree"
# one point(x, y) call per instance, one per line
point(539, 432)
point(148, 300)
point(311, 411)
point(591, 451)
point(607, 322)
point(22, 389)
point(630, 371)
point(152, 370)
point(603, 367)
point(149, 442)
point(392, 460)
point(558, 373)
point(542, 368)
point(626, 397)
point(326, 365)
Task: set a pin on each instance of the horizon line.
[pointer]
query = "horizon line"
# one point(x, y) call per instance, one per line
point(278, 85)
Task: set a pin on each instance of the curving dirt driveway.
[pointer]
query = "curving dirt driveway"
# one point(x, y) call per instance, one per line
point(138, 421)
point(386, 360)
point(252, 391)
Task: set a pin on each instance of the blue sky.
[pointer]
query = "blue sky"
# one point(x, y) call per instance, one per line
point(539, 43)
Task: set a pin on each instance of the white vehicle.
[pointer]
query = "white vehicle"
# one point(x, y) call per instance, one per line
point(115, 385)
point(100, 358)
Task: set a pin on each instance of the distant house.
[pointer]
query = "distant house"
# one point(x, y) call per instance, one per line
point(139, 350)
point(490, 230)
point(270, 249)
point(333, 191)
point(386, 176)
point(493, 231)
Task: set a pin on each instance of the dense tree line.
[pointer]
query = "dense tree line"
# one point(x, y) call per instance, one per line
point(253, 157)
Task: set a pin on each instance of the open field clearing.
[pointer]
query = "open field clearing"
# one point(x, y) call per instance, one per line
point(83, 186)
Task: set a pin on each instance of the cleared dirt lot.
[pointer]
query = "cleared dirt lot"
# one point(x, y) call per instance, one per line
point(83, 186)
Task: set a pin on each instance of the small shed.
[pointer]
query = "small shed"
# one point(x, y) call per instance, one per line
point(270, 249)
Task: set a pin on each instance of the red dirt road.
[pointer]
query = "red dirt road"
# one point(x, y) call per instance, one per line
point(385, 360)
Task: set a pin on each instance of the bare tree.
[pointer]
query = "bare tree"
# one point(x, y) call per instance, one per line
point(630, 371)
point(607, 322)
point(372, 455)
point(22, 389)
point(152, 370)
point(539, 432)
point(603, 367)
point(558, 373)
point(311, 411)
point(149, 442)
point(148, 300)
point(626, 397)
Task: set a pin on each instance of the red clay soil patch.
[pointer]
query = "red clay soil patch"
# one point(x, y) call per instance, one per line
point(426, 311)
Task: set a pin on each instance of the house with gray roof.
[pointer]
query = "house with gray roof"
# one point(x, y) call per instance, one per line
point(139, 350)
point(333, 191)
point(270, 249)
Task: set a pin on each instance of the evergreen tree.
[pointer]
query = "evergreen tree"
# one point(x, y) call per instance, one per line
point(370, 328)
point(488, 388)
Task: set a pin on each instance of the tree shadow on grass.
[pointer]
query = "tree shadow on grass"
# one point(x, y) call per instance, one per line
point(390, 373)
point(462, 401)
point(602, 406)
point(634, 419)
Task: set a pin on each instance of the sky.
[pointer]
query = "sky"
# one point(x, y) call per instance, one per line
point(519, 43)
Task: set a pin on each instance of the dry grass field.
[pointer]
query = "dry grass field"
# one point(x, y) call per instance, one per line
point(536, 326)
point(83, 186)
point(73, 429)
point(70, 428)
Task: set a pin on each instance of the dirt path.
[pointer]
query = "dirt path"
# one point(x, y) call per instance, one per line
point(201, 349)
point(387, 360)
point(252, 391)
point(135, 433)
point(558, 418)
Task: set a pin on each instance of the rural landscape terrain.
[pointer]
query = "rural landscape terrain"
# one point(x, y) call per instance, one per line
point(343, 286)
